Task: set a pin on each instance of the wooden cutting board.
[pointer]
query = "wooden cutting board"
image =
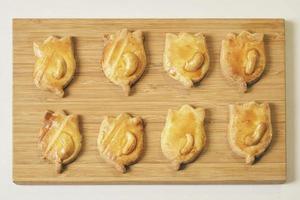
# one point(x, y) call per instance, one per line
point(92, 96)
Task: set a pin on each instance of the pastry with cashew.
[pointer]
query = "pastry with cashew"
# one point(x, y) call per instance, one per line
point(250, 129)
point(124, 60)
point(186, 57)
point(120, 140)
point(60, 138)
point(243, 58)
point(183, 136)
point(55, 64)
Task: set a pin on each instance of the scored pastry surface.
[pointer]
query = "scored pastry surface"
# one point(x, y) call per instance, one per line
point(120, 140)
point(243, 58)
point(186, 57)
point(183, 136)
point(250, 129)
point(55, 64)
point(124, 59)
point(60, 138)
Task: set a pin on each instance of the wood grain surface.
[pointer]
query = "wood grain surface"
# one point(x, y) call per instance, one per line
point(92, 96)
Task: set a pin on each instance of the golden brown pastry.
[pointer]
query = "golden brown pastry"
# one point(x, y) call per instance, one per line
point(186, 57)
point(243, 58)
point(60, 139)
point(120, 140)
point(250, 129)
point(55, 64)
point(183, 136)
point(124, 59)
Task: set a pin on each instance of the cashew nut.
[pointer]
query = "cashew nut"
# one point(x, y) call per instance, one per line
point(131, 63)
point(194, 63)
point(189, 144)
point(257, 135)
point(251, 61)
point(130, 144)
point(60, 68)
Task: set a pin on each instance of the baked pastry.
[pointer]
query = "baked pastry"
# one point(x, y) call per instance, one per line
point(183, 136)
point(243, 58)
point(120, 140)
point(124, 60)
point(55, 64)
point(250, 129)
point(186, 57)
point(60, 138)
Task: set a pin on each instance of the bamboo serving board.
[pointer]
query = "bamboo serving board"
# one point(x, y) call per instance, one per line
point(92, 96)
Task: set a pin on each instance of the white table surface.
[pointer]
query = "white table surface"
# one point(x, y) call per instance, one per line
point(288, 9)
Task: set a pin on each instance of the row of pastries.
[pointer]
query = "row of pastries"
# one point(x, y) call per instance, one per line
point(123, 60)
point(120, 140)
point(186, 59)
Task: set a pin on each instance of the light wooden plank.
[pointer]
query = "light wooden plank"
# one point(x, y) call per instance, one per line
point(92, 96)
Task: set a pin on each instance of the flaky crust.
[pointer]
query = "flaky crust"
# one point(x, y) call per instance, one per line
point(59, 138)
point(244, 120)
point(234, 57)
point(120, 140)
point(55, 65)
point(124, 59)
point(183, 136)
point(186, 57)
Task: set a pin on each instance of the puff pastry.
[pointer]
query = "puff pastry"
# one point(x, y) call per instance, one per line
point(59, 138)
point(186, 57)
point(250, 129)
point(55, 64)
point(120, 140)
point(183, 136)
point(124, 59)
point(243, 58)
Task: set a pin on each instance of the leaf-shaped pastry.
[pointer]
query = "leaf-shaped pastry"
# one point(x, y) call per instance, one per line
point(183, 136)
point(55, 64)
point(243, 58)
point(124, 60)
point(120, 140)
point(186, 57)
point(250, 129)
point(60, 139)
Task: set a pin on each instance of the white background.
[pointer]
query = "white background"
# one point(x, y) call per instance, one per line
point(288, 9)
